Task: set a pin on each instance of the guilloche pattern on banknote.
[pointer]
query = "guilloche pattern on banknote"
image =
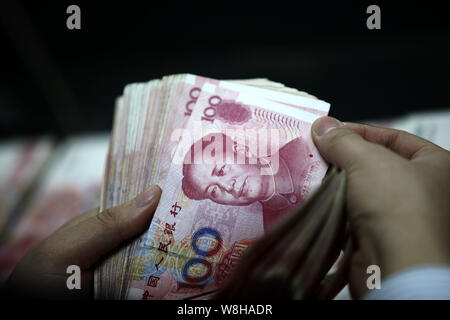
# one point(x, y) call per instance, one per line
point(258, 162)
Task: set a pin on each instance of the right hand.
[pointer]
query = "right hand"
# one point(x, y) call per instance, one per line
point(397, 196)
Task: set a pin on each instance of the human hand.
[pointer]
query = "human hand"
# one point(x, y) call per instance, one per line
point(82, 241)
point(397, 196)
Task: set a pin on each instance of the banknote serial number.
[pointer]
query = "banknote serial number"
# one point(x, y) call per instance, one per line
point(226, 309)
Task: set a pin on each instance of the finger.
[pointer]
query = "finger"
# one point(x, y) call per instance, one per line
point(343, 146)
point(401, 142)
point(85, 242)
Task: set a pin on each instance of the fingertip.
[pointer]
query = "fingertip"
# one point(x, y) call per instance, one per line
point(145, 205)
point(342, 147)
point(325, 124)
point(148, 197)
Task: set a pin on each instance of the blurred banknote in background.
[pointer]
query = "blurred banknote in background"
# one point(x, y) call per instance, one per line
point(432, 125)
point(70, 185)
point(21, 162)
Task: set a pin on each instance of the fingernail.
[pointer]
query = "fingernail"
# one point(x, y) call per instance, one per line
point(325, 124)
point(147, 197)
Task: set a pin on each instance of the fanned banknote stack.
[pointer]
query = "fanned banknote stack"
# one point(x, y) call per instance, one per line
point(233, 158)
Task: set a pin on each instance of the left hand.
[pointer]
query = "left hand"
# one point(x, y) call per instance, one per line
point(82, 242)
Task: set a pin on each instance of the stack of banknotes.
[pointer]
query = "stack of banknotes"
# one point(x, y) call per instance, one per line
point(233, 158)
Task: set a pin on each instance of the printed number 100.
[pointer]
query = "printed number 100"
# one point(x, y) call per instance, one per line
point(201, 254)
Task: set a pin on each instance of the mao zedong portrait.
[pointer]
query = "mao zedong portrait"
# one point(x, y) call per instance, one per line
point(242, 184)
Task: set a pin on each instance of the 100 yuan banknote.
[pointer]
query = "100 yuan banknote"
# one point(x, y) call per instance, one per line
point(241, 164)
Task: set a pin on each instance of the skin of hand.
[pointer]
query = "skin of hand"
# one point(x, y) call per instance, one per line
point(82, 241)
point(397, 196)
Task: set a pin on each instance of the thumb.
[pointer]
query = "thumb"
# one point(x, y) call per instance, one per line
point(85, 242)
point(342, 146)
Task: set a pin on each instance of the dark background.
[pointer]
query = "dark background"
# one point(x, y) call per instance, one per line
point(60, 81)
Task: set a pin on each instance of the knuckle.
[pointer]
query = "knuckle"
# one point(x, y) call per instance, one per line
point(107, 218)
point(395, 139)
point(110, 220)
